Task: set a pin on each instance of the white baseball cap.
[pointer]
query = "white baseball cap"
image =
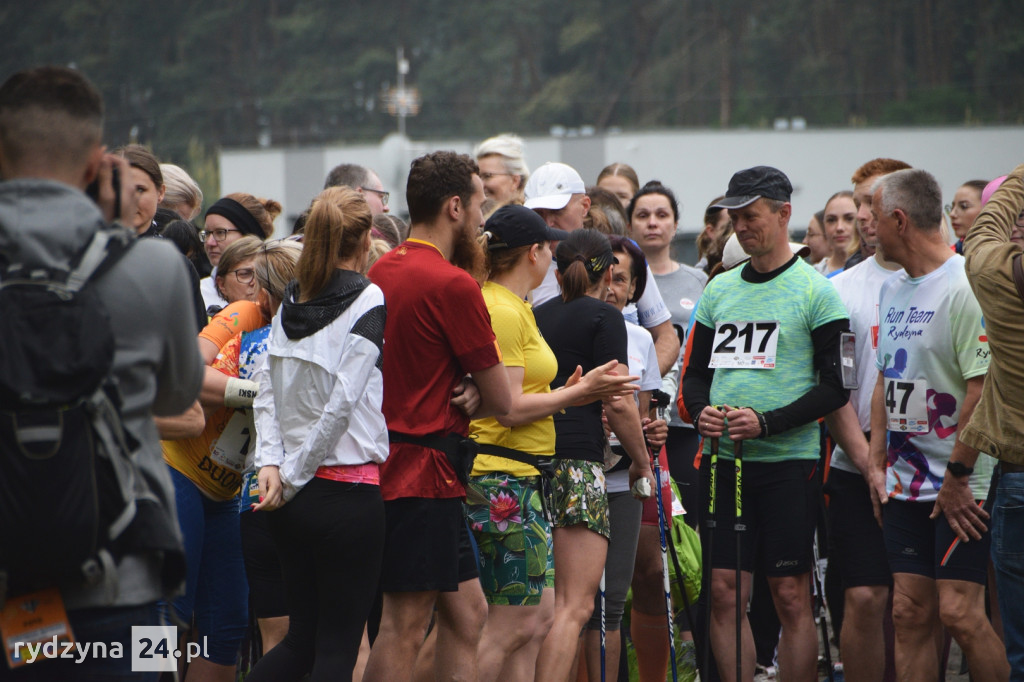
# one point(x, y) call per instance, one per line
point(552, 186)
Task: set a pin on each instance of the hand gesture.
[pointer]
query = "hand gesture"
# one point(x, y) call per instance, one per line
point(638, 470)
point(656, 432)
point(711, 423)
point(466, 396)
point(742, 423)
point(956, 501)
point(271, 490)
point(123, 203)
point(879, 496)
point(602, 383)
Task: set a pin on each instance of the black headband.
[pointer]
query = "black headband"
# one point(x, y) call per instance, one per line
point(238, 215)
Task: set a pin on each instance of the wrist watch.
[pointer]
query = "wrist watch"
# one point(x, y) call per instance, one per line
point(959, 469)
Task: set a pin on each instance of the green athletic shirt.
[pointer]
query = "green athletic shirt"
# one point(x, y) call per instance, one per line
point(800, 300)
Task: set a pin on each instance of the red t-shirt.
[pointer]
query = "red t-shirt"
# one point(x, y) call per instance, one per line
point(437, 331)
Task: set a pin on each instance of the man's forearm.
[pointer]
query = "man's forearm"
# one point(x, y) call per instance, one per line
point(962, 452)
point(879, 427)
point(844, 426)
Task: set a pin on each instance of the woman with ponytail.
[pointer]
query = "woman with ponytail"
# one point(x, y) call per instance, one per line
point(320, 439)
point(584, 331)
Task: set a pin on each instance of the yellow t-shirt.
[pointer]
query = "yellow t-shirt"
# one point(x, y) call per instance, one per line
point(523, 346)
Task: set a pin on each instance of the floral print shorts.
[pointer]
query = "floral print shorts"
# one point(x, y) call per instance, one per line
point(513, 539)
point(580, 495)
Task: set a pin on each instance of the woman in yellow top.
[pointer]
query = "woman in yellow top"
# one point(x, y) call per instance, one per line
point(505, 508)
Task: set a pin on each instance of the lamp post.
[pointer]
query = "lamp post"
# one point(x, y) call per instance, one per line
point(402, 101)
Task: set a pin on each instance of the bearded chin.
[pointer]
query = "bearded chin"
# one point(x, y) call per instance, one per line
point(468, 254)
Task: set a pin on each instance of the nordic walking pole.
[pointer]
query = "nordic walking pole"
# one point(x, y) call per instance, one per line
point(819, 588)
point(709, 523)
point(739, 527)
point(658, 402)
point(603, 631)
point(822, 607)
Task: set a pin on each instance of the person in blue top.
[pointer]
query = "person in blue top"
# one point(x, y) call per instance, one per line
point(764, 367)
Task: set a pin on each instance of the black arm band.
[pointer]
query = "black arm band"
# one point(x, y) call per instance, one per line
point(698, 377)
point(828, 394)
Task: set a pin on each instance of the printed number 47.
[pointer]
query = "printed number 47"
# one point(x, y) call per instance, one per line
point(907, 387)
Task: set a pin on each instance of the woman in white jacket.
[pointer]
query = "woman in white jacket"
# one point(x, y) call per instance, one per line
point(320, 439)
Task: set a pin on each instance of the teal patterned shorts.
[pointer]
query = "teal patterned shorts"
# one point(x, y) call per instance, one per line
point(513, 537)
point(580, 495)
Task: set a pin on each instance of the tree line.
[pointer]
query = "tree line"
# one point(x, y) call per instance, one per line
point(188, 77)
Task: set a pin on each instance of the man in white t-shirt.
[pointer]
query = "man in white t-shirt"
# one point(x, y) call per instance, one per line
point(856, 548)
point(932, 358)
point(557, 192)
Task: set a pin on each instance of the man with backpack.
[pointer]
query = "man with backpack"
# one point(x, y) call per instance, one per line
point(97, 336)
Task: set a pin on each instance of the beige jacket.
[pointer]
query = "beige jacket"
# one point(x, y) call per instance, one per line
point(997, 425)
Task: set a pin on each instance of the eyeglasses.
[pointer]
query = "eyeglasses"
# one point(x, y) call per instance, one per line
point(243, 275)
point(384, 196)
point(218, 235)
point(487, 176)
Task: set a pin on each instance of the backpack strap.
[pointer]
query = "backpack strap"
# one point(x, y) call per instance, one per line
point(1018, 275)
point(105, 248)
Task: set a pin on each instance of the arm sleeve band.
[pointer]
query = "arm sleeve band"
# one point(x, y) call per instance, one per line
point(240, 392)
point(828, 394)
point(698, 378)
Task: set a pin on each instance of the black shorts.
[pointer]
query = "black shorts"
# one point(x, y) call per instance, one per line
point(855, 543)
point(780, 511)
point(917, 544)
point(262, 568)
point(427, 546)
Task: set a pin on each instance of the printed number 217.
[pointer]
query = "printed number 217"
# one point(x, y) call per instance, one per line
point(731, 331)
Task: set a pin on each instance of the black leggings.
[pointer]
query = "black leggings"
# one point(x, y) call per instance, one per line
point(330, 539)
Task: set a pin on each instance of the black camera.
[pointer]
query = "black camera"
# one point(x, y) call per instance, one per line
point(93, 190)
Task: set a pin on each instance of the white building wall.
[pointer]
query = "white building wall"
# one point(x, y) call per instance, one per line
point(696, 164)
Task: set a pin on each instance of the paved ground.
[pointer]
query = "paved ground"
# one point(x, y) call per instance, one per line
point(952, 670)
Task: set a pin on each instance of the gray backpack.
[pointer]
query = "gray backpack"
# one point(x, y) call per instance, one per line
point(72, 500)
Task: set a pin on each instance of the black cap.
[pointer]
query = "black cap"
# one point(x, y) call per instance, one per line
point(514, 225)
point(759, 182)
